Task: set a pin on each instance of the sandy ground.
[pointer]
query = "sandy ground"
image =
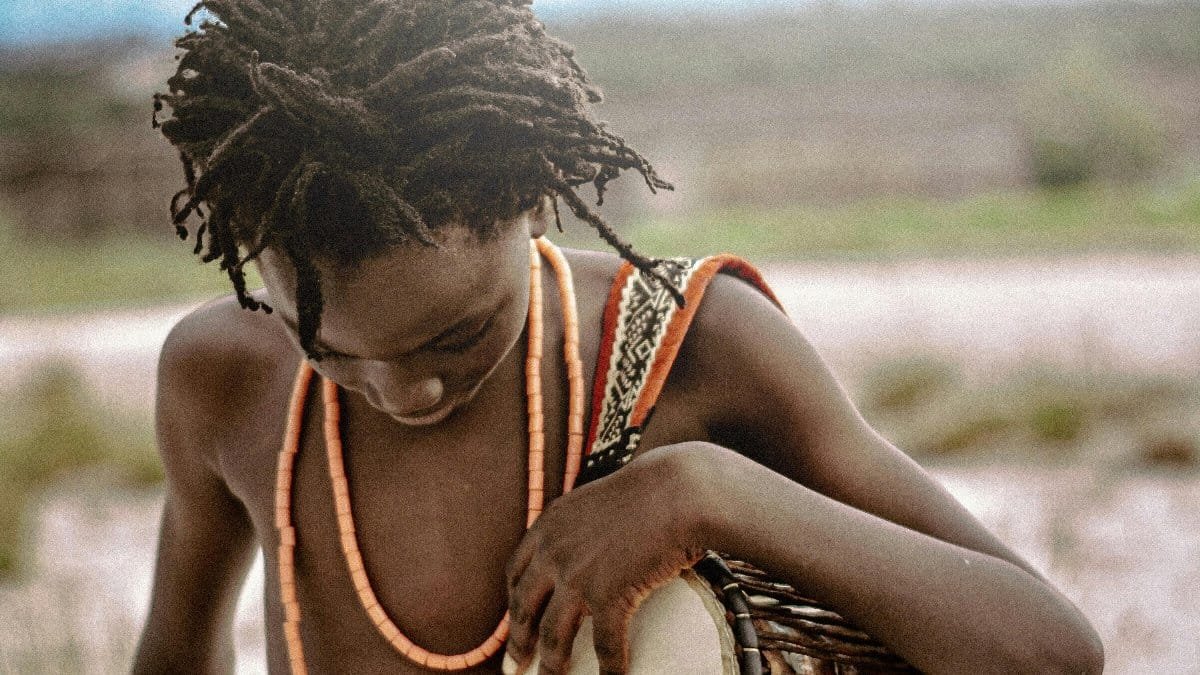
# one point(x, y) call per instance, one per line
point(1121, 545)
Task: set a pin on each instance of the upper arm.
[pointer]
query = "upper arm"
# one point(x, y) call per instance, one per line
point(206, 541)
point(779, 403)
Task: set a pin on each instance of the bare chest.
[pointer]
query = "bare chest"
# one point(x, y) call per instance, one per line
point(436, 515)
point(435, 520)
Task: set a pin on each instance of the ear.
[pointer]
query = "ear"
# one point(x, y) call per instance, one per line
point(540, 216)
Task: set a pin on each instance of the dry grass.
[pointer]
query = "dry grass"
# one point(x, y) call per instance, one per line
point(931, 410)
point(52, 430)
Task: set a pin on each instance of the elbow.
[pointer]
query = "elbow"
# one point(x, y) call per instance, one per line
point(1076, 649)
point(1085, 656)
point(1054, 638)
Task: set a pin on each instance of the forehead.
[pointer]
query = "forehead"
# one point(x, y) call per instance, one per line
point(408, 292)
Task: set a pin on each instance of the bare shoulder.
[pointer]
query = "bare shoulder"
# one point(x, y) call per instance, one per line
point(220, 348)
point(760, 375)
point(593, 272)
point(217, 364)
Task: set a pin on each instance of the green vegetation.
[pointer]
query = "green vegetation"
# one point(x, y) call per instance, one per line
point(1087, 219)
point(1085, 120)
point(932, 410)
point(758, 116)
point(127, 269)
point(58, 96)
point(52, 430)
point(115, 270)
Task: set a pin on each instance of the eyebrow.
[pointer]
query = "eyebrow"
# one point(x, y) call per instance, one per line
point(457, 326)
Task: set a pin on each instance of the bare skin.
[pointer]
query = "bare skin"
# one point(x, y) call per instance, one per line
point(752, 438)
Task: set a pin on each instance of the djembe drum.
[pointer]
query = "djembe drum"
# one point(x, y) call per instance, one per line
point(725, 617)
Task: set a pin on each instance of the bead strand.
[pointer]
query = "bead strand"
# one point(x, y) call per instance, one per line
point(283, 521)
point(533, 391)
point(341, 490)
point(575, 406)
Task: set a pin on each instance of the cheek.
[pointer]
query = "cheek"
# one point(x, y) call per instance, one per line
point(344, 376)
point(467, 370)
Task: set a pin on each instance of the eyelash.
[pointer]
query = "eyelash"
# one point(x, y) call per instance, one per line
point(466, 343)
point(333, 358)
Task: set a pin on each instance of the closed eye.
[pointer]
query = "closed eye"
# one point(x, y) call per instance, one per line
point(458, 345)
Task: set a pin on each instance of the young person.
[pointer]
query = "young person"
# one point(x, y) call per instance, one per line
point(386, 165)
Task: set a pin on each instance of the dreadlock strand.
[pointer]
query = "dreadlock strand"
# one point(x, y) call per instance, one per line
point(407, 74)
point(371, 41)
point(231, 142)
point(187, 19)
point(602, 179)
point(361, 20)
point(297, 205)
point(339, 127)
point(272, 220)
point(461, 95)
point(308, 302)
point(386, 206)
point(302, 98)
point(647, 266)
point(199, 238)
point(219, 244)
point(235, 19)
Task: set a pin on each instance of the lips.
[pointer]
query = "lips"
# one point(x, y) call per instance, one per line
point(422, 419)
point(428, 416)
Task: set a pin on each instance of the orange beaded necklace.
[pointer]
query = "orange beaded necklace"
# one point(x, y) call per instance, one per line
point(341, 491)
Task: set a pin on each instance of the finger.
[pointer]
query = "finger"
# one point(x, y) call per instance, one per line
point(610, 632)
point(521, 557)
point(560, 623)
point(525, 602)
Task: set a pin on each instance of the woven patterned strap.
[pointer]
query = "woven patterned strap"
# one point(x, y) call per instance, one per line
point(643, 330)
point(777, 630)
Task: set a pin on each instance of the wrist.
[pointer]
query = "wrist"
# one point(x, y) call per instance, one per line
point(742, 507)
point(709, 495)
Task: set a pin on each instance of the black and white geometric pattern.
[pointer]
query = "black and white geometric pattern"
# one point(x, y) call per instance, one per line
point(645, 312)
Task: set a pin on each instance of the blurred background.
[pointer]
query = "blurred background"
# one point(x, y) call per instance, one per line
point(985, 215)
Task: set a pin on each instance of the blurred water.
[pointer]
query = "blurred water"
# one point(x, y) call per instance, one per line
point(1124, 313)
point(1140, 314)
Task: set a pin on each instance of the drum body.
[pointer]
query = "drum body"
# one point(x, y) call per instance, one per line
point(678, 628)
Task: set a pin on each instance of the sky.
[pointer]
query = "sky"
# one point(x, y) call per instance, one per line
point(26, 22)
point(32, 22)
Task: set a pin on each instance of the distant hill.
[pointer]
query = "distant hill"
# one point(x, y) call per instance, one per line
point(822, 103)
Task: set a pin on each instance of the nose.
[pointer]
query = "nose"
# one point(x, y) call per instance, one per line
point(406, 397)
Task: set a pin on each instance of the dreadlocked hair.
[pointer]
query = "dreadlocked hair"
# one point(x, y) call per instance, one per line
point(331, 129)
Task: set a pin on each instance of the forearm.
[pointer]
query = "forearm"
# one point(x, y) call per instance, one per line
point(189, 625)
point(943, 607)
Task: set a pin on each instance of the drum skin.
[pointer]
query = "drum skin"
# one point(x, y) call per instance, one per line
point(679, 628)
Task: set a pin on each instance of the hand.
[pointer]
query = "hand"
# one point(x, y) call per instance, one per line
point(600, 550)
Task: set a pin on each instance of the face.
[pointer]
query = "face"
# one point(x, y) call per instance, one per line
point(417, 330)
